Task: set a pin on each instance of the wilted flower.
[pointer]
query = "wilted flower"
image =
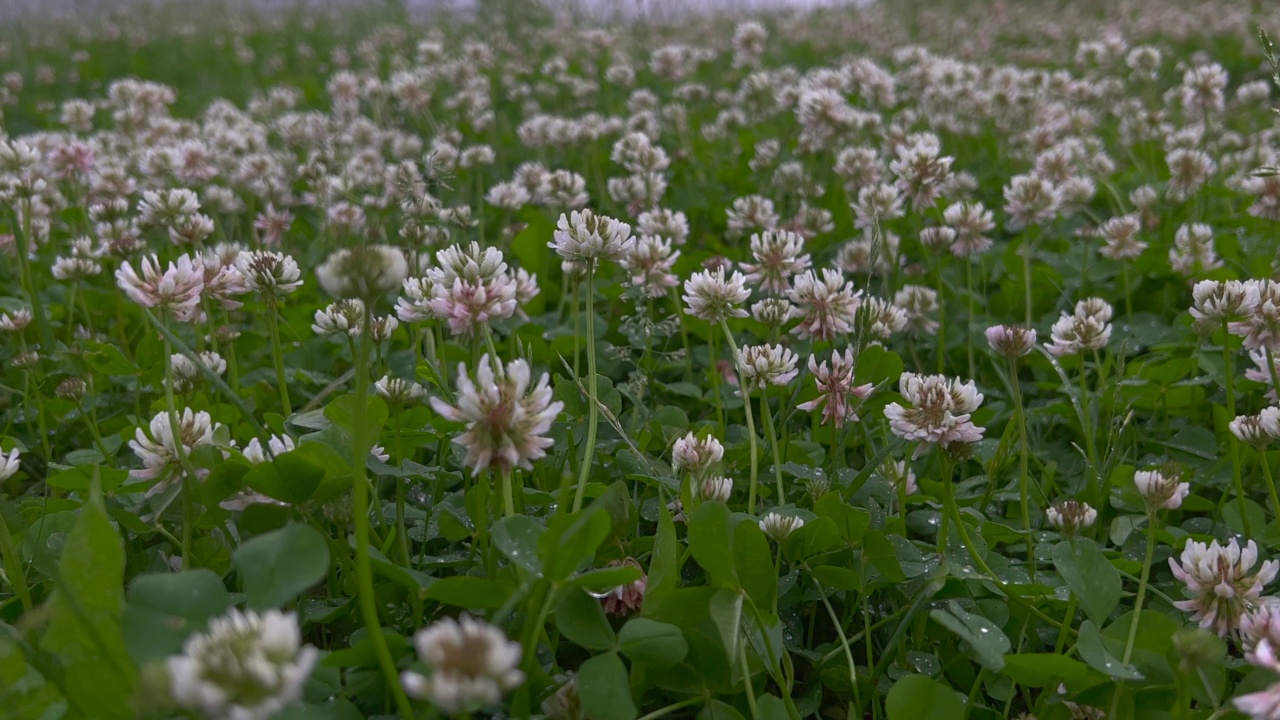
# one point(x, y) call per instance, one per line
point(1217, 579)
point(764, 365)
point(836, 388)
point(1160, 488)
point(1071, 516)
point(506, 420)
point(779, 526)
point(246, 667)
point(939, 412)
point(1257, 430)
point(364, 272)
point(472, 665)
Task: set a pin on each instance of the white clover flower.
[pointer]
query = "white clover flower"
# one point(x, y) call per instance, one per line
point(506, 419)
point(344, 317)
point(764, 365)
point(9, 464)
point(1161, 489)
point(711, 296)
point(175, 289)
point(398, 391)
point(918, 303)
point(186, 373)
point(159, 452)
point(364, 272)
point(1121, 236)
point(649, 263)
point(836, 388)
point(584, 237)
point(826, 306)
point(1088, 328)
point(1071, 516)
point(278, 444)
point(778, 256)
point(1217, 579)
point(1260, 328)
point(472, 665)
point(17, 322)
point(1252, 430)
point(1264, 704)
point(1261, 623)
point(1011, 341)
point(695, 454)
point(269, 272)
point(779, 526)
point(716, 489)
point(939, 412)
point(246, 667)
point(898, 473)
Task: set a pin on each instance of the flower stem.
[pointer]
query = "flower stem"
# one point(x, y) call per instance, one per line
point(773, 442)
point(968, 335)
point(1271, 481)
point(1142, 589)
point(592, 410)
point(360, 493)
point(1232, 442)
point(508, 499)
point(844, 641)
point(402, 532)
point(179, 449)
point(1020, 417)
point(273, 325)
point(751, 423)
point(13, 566)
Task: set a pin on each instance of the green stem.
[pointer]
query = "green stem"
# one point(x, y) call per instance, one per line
point(664, 711)
point(13, 566)
point(751, 423)
point(592, 411)
point(1024, 484)
point(1271, 481)
point(508, 499)
point(746, 678)
point(767, 414)
point(1142, 590)
point(1232, 442)
point(360, 492)
point(273, 325)
point(968, 336)
point(175, 427)
point(844, 641)
point(402, 532)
